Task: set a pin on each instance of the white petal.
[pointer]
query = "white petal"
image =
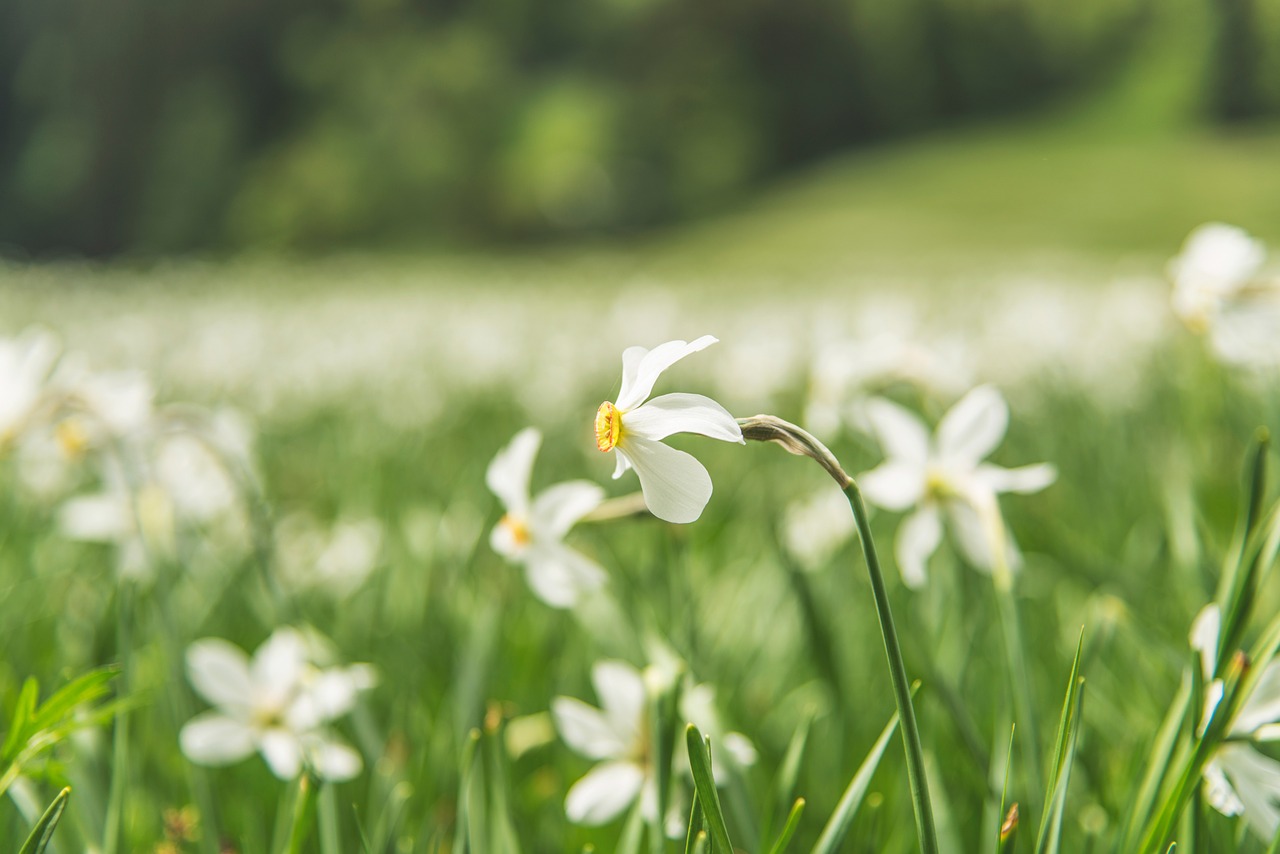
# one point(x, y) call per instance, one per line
point(587, 730)
point(893, 485)
point(1256, 780)
point(503, 540)
point(740, 748)
point(1023, 479)
point(334, 692)
point(901, 434)
point(973, 536)
point(558, 508)
point(603, 793)
point(219, 671)
point(1263, 705)
point(682, 413)
point(559, 575)
point(283, 752)
point(974, 426)
point(1204, 637)
point(102, 518)
point(215, 739)
point(277, 667)
point(1216, 259)
point(622, 464)
point(508, 475)
point(332, 759)
point(1218, 791)
point(620, 689)
point(641, 368)
point(676, 487)
point(917, 539)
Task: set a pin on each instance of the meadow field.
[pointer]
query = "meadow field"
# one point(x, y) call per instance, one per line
point(286, 505)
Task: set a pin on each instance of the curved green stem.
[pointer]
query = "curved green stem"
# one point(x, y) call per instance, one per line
point(898, 675)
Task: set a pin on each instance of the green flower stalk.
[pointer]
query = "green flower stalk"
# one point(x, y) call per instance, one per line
point(767, 428)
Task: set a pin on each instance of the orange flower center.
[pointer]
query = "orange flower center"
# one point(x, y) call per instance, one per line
point(608, 426)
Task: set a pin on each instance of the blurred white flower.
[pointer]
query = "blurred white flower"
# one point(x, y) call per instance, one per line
point(277, 704)
point(676, 486)
point(25, 364)
point(1218, 289)
point(617, 735)
point(1240, 780)
point(814, 527)
point(533, 530)
point(946, 474)
point(337, 560)
point(137, 518)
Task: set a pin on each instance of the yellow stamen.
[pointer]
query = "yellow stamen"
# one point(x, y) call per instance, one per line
point(608, 426)
point(518, 529)
point(72, 437)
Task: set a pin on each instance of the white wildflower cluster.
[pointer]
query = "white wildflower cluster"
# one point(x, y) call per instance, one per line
point(121, 470)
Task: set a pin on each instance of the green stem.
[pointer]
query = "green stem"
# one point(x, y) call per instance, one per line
point(1019, 673)
point(769, 428)
point(898, 675)
point(120, 745)
point(304, 809)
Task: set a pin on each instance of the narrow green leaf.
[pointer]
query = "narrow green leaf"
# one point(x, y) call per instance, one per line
point(81, 691)
point(1274, 847)
point(1059, 794)
point(789, 829)
point(1004, 791)
point(1061, 743)
point(838, 825)
point(42, 833)
point(705, 785)
point(702, 845)
point(790, 768)
point(462, 821)
point(632, 832)
point(330, 837)
point(304, 809)
point(1158, 766)
point(23, 712)
point(695, 825)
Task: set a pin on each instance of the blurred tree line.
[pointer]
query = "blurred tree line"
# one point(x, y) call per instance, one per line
point(156, 126)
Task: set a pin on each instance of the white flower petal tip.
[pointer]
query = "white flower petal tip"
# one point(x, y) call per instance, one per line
point(676, 486)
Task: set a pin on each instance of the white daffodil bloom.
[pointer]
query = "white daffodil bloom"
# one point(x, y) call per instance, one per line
point(277, 704)
point(1240, 780)
point(1219, 289)
point(139, 519)
point(617, 735)
point(944, 475)
point(676, 486)
point(533, 530)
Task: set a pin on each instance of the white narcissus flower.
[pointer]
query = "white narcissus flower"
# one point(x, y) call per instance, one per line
point(533, 530)
point(945, 475)
point(676, 486)
point(1240, 780)
point(1219, 289)
point(276, 704)
point(617, 736)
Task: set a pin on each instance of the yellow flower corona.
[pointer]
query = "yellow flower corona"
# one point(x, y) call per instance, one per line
point(608, 426)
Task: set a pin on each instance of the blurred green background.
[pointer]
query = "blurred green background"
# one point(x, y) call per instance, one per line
point(152, 127)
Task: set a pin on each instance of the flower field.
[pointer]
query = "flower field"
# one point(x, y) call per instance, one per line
point(375, 560)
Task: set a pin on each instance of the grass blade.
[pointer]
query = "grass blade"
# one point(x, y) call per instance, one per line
point(789, 829)
point(838, 825)
point(705, 785)
point(1063, 758)
point(42, 833)
point(695, 825)
point(304, 809)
